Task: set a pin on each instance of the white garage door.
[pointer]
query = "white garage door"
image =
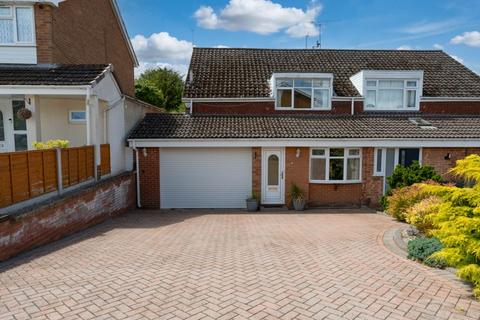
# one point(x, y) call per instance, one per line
point(205, 177)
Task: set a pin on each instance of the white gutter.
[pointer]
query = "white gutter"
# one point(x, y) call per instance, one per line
point(137, 165)
point(353, 106)
point(448, 99)
point(44, 90)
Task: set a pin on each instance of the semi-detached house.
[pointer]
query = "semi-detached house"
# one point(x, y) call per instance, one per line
point(334, 122)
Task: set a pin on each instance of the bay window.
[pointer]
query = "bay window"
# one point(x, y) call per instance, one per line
point(303, 92)
point(335, 165)
point(395, 94)
point(16, 25)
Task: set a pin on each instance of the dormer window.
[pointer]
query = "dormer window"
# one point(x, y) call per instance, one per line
point(389, 90)
point(16, 25)
point(302, 91)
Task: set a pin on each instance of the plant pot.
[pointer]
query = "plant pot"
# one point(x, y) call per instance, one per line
point(252, 205)
point(299, 204)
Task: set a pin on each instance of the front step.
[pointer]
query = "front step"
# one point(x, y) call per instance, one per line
point(273, 208)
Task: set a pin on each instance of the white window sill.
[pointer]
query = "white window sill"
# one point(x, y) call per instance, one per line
point(28, 45)
point(335, 182)
point(390, 110)
point(303, 109)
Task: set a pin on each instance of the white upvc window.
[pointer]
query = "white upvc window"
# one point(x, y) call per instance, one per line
point(392, 94)
point(77, 116)
point(17, 25)
point(302, 91)
point(400, 156)
point(335, 165)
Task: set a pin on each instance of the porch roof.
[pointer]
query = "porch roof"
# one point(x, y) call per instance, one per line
point(51, 74)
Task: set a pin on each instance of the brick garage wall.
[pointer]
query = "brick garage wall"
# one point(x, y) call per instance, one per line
point(257, 171)
point(338, 107)
point(67, 215)
point(149, 165)
point(435, 157)
point(84, 32)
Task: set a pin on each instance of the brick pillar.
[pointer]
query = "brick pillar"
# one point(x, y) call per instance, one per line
point(296, 171)
point(44, 33)
point(372, 187)
point(149, 162)
point(257, 171)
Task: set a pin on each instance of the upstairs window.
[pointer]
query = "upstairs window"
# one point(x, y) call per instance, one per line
point(303, 93)
point(391, 94)
point(16, 25)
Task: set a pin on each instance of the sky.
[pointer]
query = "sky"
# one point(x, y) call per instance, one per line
point(163, 32)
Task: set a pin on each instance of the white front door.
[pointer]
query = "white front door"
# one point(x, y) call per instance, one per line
point(6, 127)
point(273, 177)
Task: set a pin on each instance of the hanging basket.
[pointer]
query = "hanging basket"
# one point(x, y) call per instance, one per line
point(24, 114)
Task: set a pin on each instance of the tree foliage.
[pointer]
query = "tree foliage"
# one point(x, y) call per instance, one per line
point(161, 87)
point(414, 173)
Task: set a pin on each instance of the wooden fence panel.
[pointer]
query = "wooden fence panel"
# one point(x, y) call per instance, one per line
point(105, 167)
point(73, 165)
point(65, 168)
point(82, 164)
point(5, 181)
point(90, 161)
point(35, 173)
point(19, 173)
point(50, 170)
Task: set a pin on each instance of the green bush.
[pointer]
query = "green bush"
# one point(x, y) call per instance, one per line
point(402, 199)
point(415, 173)
point(422, 249)
point(420, 214)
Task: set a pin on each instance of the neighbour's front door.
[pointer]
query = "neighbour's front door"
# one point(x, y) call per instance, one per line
point(273, 180)
point(5, 126)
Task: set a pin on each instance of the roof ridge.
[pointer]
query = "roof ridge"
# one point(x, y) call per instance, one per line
point(311, 49)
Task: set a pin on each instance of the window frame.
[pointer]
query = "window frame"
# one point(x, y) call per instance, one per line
point(327, 158)
point(77, 121)
point(377, 173)
point(405, 90)
point(13, 18)
point(302, 76)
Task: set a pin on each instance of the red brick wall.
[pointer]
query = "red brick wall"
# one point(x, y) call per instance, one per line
point(435, 157)
point(84, 32)
point(70, 214)
point(452, 107)
point(372, 187)
point(338, 107)
point(296, 171)
point(349, 194)
point(149, 165)
point(257, 171)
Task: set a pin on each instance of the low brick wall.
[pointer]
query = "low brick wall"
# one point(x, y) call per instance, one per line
point(71, 213)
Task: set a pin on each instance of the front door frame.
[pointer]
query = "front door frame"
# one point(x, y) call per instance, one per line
point(8, 145)
point(281, 154)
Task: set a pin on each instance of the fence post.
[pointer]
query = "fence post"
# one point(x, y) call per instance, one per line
point(59, 171)
point(95, 166)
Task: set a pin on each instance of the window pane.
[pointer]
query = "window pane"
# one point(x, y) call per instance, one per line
point(411, 84)
point(318, 168)
point(379, 160)
point(303, 83)
point(20, 142)
point(284, 83)
point(390, 99)
point(371, 99)
point(411, 98)
point(336, 169)
point(354, 152)
point(353, 169)
point(18, 123)
point(78, 115)
point(318, 152)
point(371, 83)
point(408, 156)
point(321, 83)
point(320, 98)
point(24, 24)
point(390, 84)
point(303, 98)
point(2, 128)
point(5, 11)
point(337, 152)
point(284, 98)
point(6, 31)
point(273, 170)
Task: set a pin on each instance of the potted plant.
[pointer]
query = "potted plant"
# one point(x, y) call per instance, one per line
point(298, 198)
point(252, 202)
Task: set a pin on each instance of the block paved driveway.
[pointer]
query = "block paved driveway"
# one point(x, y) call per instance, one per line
point(229, 266)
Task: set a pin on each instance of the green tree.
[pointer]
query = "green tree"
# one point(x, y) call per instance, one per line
point(161, 87)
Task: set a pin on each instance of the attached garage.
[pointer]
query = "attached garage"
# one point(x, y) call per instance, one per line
point(205, 177)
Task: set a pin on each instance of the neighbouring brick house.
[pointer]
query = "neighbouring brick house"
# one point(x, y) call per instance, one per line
point(70, 63)
point(334, 122)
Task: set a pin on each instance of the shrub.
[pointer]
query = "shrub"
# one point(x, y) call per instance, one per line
point(402, 199)
point(51, 144)
point(415, 173)
point(423, 248)
point(420, 213)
